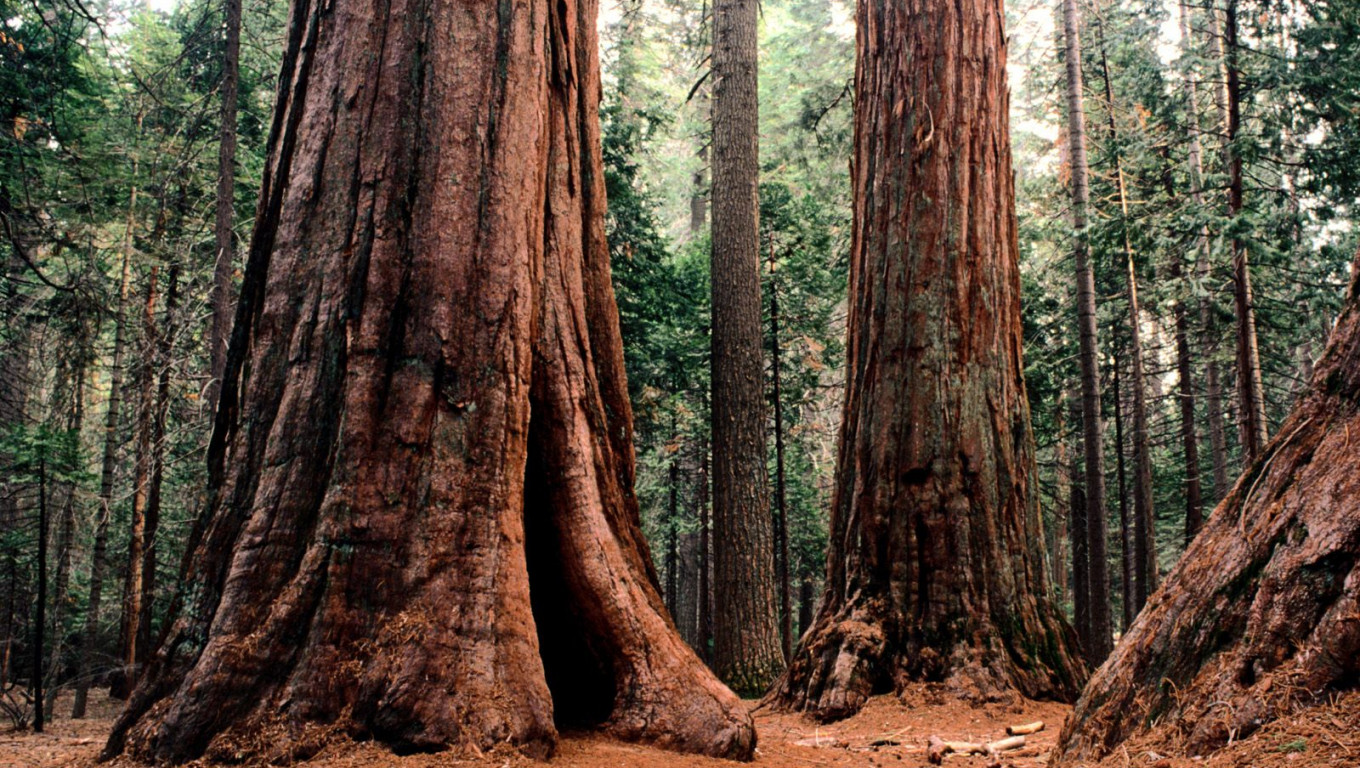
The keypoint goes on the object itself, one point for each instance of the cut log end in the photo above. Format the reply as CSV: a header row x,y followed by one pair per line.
x,y
1026,728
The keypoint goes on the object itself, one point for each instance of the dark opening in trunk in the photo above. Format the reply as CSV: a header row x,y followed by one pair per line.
x,y
579,675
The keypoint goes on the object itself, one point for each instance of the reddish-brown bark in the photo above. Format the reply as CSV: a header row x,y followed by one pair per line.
x,y
936,563
423,528
1260,614
131,633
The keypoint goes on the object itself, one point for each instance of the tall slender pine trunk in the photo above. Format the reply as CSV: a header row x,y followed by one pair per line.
x,y
1101,637
1144,520
99,553
224,236
781,512
746,611
1061,506
1185,368
129,623
1251,397
1128,575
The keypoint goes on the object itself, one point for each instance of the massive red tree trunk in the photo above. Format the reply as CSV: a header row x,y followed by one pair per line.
x,y
1260,614
936,567
423,528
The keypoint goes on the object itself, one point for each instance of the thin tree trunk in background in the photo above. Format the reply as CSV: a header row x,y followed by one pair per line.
x,y
746,617
1213,374
1062,499
1145,532
806,597
67,527
1128,571
15,383
705,596
224,236
781,514
1213,403
12,577
1081,540
698,196
1251,398
153,498
1185,397
98,554
935,559
1101,636
673,529
1305,377
137,536
1185,368
40,602
1144,520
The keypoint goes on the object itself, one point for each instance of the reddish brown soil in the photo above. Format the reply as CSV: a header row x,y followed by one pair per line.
x,y
1326,736
888,732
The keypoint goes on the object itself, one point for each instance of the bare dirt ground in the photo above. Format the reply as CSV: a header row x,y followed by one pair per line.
x,y
890,731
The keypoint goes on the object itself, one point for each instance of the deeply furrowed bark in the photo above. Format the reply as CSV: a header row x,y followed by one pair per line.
x,y
936,567
1260,614
423,529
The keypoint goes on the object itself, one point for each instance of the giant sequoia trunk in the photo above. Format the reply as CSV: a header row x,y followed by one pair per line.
x,y
1260,614
423,529
936,567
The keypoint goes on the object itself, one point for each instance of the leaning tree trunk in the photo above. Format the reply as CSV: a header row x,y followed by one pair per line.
x,y
936,562
1260,614
423,529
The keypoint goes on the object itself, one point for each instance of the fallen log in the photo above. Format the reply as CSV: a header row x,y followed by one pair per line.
x,y
1021,730
937,748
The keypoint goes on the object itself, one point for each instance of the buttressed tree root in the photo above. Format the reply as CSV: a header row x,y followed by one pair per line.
x,y
1262,614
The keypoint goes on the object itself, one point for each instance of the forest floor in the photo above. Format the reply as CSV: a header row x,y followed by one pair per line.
x,y
888,732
